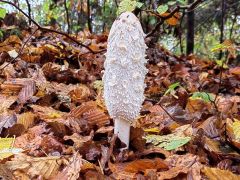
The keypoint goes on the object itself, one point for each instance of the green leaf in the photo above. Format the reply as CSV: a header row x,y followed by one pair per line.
x,y
171,141
1,33
127,5
162,9
182,1
217,47
170,3
168,142
3,12
139,4
221,63
172,88
207,97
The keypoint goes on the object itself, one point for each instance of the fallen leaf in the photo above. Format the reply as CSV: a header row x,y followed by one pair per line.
x,y
170,141
46,167
72,170
218,174
136,166
7,120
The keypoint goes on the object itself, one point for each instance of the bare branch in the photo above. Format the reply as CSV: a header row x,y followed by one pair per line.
x,y
51,30
20,51
189,7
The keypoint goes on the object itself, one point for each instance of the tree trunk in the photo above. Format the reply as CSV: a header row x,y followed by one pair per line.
x,y
222,27
29,12
89,17
190,30
67,16
104,24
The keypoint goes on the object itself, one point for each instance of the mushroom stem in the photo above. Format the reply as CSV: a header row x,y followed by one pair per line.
x,y
122,129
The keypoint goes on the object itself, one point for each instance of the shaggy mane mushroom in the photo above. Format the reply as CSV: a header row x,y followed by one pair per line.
x,y
125,73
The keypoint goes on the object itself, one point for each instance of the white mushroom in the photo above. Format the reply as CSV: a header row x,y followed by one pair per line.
x,y
125,73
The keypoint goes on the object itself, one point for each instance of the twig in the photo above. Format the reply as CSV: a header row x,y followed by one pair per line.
x,y
160,22
189,7
220,82
51,30
20,51
166,111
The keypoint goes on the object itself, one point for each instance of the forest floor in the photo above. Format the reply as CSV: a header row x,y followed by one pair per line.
x,y
54,124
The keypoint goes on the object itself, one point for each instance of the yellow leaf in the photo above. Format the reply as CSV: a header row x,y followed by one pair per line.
x,y
6,143
54,115
6,148
152,130
233,131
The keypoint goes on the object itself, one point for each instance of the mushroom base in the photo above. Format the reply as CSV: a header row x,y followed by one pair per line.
x,y
122,129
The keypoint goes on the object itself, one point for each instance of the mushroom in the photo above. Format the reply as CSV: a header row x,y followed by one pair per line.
x,y
125,73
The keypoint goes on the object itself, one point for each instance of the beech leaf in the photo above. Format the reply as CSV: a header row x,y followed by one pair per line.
x,y
162,9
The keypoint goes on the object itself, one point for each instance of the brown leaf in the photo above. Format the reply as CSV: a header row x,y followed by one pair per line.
x,y
72,170
90,112
195,105
7,120
235,70
172,173
5,174
209,126
216,151
140,165
25,88
182,160
26,119
218,174
78,139
79,94
46,167
155,150
105,130
48,114
107,152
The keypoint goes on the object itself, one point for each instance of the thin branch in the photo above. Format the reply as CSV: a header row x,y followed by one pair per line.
x,y
220,82
189,7
51,30
166,111
160,22
158,103
20,51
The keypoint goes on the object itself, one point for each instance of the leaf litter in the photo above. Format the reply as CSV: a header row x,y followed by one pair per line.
x,y
54,124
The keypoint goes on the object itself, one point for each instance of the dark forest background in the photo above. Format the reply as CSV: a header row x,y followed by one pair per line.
x,y
197,29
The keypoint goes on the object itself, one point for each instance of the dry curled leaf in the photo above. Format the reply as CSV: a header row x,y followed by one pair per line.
x,y
46,167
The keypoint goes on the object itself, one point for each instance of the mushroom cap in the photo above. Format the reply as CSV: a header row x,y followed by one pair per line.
x,y
125,68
